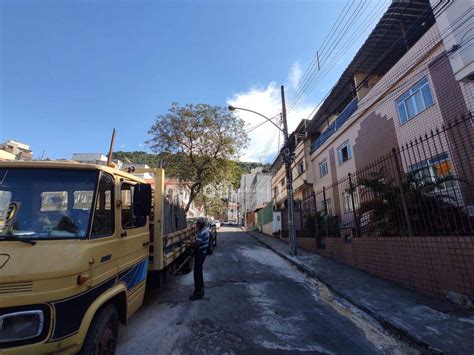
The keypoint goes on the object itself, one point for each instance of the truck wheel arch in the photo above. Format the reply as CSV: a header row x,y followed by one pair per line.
x,y
116,295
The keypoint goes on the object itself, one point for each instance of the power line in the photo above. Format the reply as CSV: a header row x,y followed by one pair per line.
x,y
410,30
315,77
260,124
314,61
325,56
399,89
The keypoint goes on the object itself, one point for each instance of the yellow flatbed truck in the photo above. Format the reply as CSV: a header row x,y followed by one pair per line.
x,y
77,242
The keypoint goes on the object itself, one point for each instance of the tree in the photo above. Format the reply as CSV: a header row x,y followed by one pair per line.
x,y
202,140
213,205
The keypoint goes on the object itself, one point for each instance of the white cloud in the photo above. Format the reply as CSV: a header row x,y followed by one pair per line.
x,y
295,75
264,141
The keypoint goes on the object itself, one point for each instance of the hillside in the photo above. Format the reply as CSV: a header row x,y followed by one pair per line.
x,y
153,160
157,160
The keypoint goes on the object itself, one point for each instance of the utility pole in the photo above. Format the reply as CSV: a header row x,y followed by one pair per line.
x,y
289,177
111,149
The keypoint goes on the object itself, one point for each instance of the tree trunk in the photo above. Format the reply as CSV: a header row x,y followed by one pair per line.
x,y
194,191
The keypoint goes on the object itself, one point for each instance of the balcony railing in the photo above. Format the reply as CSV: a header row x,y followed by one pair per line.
x,y
340,120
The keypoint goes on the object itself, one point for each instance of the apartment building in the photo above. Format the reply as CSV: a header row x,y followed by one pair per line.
x,y
14,150
399,87
253,194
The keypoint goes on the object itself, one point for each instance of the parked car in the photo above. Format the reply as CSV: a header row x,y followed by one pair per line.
x,y
213,237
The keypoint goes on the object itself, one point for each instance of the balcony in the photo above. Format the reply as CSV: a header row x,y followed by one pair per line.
x,y
336,125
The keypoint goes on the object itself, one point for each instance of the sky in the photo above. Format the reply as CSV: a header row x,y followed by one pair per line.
x,y
72,70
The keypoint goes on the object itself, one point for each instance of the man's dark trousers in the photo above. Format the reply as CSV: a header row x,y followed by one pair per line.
x,y
199,258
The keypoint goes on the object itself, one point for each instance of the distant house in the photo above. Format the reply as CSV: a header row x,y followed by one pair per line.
x,y
14,150
94,158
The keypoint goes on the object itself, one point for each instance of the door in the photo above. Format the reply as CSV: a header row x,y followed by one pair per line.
x,y
134,247
104,243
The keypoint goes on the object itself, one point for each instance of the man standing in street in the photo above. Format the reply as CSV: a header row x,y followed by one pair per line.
x,y
200,248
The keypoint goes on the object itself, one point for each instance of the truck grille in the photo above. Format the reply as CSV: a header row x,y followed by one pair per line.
x,y
16,287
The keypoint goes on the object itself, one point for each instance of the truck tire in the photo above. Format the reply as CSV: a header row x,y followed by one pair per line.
x,y
102,335
188,266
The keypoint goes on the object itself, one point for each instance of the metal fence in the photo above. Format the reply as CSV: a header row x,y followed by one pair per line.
x,y
425,187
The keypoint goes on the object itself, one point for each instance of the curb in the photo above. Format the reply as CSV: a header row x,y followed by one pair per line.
x,y
387,324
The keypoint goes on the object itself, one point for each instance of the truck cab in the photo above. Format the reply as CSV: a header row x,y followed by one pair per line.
x,y
74,255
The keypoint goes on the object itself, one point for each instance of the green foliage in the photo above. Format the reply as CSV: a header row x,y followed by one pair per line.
x,y
430,208
202,141
213,205
327,226
170,162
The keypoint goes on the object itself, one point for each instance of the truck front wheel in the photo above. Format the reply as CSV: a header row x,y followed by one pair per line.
x,y
101,338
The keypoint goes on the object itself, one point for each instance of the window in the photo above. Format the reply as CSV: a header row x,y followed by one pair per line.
x,y
129,220
39,203
344,152
83,200
127,216
328,206
432,170
282,182
300,167
104,224
53,201
347,202
275,192
414,101
323,168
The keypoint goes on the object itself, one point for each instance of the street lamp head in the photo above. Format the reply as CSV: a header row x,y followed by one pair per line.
x,y
231,108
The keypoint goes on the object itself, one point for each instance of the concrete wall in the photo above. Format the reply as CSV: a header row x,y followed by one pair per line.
x,y
267,229
442,265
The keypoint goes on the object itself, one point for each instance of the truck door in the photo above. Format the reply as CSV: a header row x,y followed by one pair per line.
x,y
103,258
133,251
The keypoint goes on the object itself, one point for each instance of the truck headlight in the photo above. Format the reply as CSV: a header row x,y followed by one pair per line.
x,y
21,325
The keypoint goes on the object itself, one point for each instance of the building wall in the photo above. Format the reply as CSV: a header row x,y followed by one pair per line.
x,y
467,89
375,127
276,182
263,189
4,155
454,20
442,265
267,228
299,179
369,146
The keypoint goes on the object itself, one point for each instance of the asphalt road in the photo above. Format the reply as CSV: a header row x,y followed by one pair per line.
x,y
256,303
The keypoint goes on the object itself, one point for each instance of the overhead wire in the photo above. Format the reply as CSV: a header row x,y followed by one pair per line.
x,y
314,61
341,49
378,62
322,56
408,83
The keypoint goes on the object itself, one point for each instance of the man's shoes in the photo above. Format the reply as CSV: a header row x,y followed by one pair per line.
x,y
196,296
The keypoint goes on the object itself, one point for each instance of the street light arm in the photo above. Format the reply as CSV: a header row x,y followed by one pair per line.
x,y
232,108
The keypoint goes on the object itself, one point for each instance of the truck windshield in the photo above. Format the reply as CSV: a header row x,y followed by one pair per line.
x,y
46,203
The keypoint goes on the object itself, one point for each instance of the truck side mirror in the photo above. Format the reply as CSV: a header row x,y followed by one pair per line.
x,y
142,200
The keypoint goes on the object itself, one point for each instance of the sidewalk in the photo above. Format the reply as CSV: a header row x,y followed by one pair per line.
x,y
439,326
